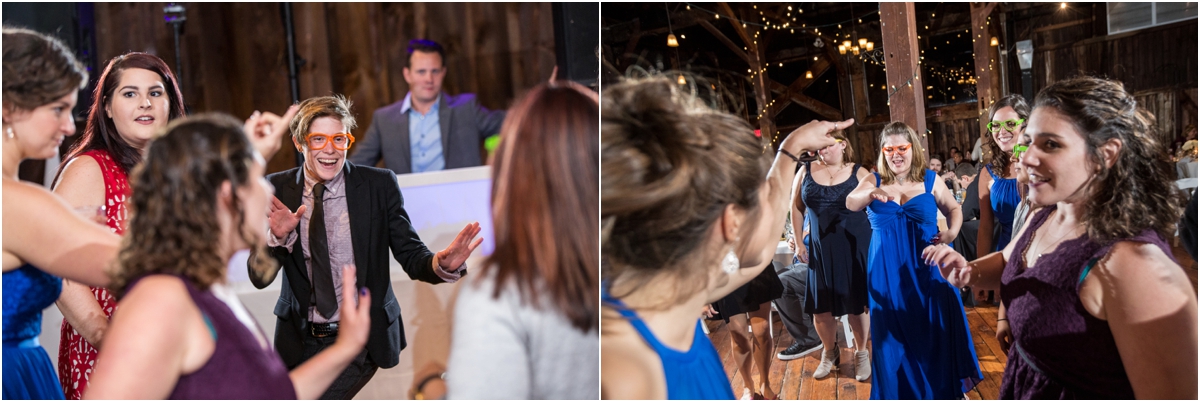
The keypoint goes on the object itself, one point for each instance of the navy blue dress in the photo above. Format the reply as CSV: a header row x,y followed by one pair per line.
x,y
1005,199
837,253
28,373
921,345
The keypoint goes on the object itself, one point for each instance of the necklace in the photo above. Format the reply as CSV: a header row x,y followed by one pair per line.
x,y
1042,247
834,174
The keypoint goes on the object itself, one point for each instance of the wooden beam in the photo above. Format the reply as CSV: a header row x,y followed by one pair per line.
x,y
741,31
907,100
725,40
987,87
1062,25
818,107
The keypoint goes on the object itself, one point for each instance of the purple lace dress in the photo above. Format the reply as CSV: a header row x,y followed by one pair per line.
x,y
1060,350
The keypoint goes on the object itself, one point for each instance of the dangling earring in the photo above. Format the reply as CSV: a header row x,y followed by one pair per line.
x,y
730,263
8,132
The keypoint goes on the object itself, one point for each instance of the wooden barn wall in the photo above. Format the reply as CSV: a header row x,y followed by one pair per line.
x,y
235,55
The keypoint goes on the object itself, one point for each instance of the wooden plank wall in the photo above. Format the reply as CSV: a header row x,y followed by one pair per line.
x,y
235,54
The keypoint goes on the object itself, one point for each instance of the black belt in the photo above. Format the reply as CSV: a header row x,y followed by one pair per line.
x,y
323,330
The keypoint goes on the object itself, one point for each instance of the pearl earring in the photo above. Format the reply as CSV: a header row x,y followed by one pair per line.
x,y
9,133
730,264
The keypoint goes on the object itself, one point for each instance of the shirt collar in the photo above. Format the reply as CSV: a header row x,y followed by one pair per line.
x,y
406,105
334,186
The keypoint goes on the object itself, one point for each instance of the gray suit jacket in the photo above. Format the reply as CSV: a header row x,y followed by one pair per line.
x,y
465,124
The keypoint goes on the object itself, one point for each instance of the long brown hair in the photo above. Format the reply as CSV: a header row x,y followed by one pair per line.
x,y
916,170
38,69
101,132
670,166
544,202
173,227
1137,192
1000,159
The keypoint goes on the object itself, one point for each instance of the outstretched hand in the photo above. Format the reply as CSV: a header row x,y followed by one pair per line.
x,y
461,248
882,196
355,325
813,136
281,219
950,263
266,130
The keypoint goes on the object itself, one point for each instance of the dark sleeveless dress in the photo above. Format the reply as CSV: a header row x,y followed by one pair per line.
x,y
839,241
1060,351
239,368
28,373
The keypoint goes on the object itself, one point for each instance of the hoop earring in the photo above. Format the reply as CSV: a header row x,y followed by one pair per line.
x,y
730,263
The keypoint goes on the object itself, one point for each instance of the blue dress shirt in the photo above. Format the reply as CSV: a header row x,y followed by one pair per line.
x,y
424,137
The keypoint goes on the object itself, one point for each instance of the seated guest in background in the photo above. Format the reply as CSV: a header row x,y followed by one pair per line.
x,y
330,213
952,163
1096,303
181,332
428,130
44,240
134,99
935,164
526,326
676,236
962,167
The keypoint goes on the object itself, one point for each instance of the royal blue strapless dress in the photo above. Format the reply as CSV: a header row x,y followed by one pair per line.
x,y
921,345
693,374
1005,199
28,373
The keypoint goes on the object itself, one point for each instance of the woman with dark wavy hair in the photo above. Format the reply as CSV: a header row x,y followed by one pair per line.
x,y
198,197
998,190
43,238
134,99
528,321
1097,305
688,198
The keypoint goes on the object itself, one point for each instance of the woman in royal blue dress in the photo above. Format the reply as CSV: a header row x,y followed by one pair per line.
x,y
998,194
921,345
688,198
44,240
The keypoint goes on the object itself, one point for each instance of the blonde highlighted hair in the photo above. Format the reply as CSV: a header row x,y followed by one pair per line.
x,y
916,171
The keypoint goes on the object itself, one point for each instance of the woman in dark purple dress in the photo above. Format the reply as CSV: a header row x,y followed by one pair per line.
x,y
1097,305
181,333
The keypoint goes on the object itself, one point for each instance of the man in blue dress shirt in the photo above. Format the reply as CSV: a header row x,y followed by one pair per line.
x,y
428,130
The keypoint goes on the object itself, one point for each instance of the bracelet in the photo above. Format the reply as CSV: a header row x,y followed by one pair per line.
x,y
1001,319
789,154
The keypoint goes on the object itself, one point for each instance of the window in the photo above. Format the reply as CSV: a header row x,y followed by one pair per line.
x,y
1127,16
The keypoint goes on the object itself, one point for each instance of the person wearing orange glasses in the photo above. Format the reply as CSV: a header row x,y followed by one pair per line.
x,y
921,344
320,211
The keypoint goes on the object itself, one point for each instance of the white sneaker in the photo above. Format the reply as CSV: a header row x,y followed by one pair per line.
x,y
829,359
862,365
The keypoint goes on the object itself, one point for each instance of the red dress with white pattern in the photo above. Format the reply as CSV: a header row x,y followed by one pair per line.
x,y
76,356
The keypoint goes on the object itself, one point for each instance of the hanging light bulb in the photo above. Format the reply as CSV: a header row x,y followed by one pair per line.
x,y
870,46
841,49
847,44
682,81
855,50
808,74
671,41
862,42
1063,5
995,42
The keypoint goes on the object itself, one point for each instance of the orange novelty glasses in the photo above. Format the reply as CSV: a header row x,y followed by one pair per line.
x,y
902,149
340,141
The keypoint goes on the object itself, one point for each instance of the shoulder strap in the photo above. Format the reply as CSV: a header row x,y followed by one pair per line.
x,y
929,176
876,178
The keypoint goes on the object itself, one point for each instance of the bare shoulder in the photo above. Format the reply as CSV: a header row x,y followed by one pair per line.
x,y
81,182
159,294
630,369
1136,281
1132,262
862,173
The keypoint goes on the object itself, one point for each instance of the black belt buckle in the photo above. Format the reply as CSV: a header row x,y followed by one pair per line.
x,y
323,330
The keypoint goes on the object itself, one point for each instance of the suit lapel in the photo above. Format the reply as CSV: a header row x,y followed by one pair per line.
x,y
444,120
405,143
358,206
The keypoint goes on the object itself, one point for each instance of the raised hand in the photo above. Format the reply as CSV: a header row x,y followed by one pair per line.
x,y
266,130
813,136
882,196
457,252
282,220
950,263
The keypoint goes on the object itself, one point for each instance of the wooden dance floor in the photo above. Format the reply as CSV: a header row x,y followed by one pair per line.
x,y
793,379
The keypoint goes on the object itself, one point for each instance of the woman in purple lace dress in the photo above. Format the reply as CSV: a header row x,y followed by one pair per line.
x,y
1097,305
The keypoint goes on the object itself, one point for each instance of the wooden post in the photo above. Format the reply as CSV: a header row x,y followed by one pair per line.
x,y
762,86
986,86
907,95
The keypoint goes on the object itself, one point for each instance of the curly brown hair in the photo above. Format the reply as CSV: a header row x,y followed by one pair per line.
x,y
1137,192
173,228
669,167
1000,159
38,69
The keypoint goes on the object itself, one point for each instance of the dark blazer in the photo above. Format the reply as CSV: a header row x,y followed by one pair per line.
x,y
378,223
464,123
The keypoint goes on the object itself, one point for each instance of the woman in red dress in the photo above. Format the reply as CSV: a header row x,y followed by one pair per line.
x,y
134,99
